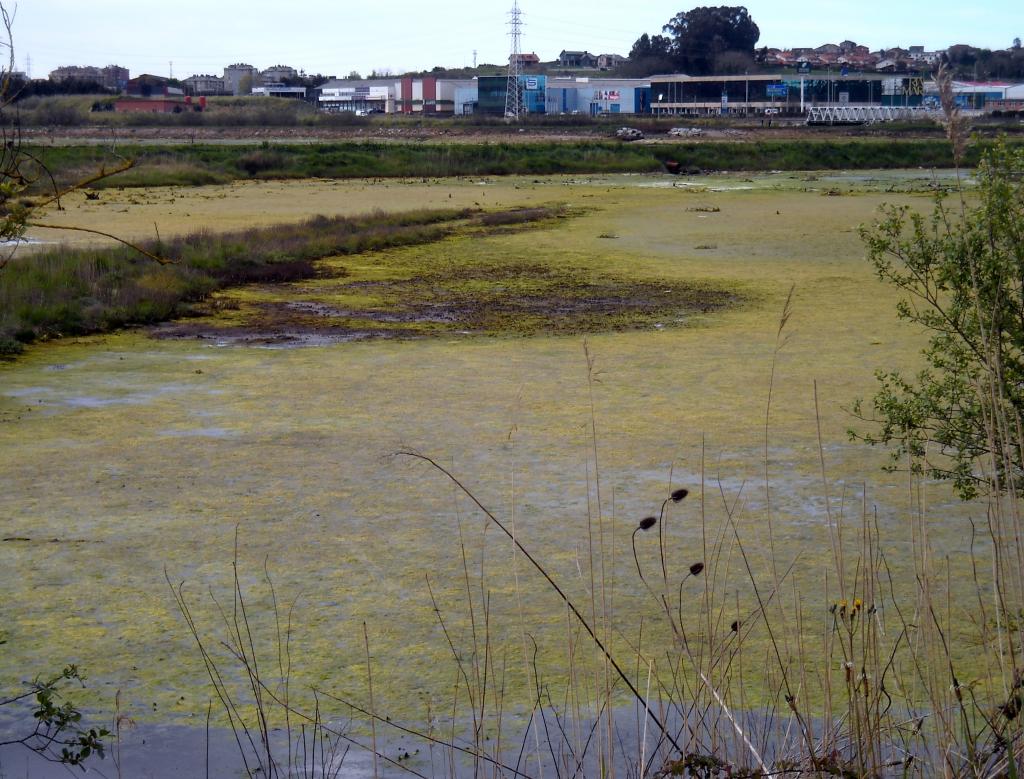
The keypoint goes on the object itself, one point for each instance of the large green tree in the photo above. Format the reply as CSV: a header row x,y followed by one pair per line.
x,y
650,54
698,42
702,35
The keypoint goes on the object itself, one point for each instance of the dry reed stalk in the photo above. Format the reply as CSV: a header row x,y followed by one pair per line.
x,y
957,128
369,684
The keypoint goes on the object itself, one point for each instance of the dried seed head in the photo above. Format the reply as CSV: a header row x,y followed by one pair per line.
x,y
679,494
648,522
696,568
1011,708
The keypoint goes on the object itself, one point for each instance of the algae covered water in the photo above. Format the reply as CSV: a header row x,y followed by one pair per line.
x,y
131,461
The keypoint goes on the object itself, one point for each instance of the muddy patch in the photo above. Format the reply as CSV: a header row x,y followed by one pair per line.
x,y
492,299
268,337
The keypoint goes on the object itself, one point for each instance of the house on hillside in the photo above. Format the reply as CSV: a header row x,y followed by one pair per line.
x,y
528,60
577,59
610,61
918,55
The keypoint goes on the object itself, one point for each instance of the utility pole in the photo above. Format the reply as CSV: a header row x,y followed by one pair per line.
x,y
513,96
474,59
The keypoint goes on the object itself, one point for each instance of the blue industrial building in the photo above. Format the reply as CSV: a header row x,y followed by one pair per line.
x,y
598,96
493,93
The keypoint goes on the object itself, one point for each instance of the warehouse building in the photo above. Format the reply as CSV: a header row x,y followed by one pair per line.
x,y
981,95
456,97
492,92
761,93
597,96
359,96
408,95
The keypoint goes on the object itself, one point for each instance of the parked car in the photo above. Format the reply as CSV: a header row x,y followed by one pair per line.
x,y
685,132
629,134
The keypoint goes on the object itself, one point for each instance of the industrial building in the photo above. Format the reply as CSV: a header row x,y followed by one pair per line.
x,y
492,94
456,96
744,94
357,95
1012,100
280,90
568,95
408,95
980,96
674,94
152,94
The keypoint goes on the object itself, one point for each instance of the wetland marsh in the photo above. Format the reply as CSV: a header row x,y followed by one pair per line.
x,y
128,454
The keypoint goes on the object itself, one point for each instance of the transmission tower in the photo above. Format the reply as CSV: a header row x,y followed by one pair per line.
x,y
513,94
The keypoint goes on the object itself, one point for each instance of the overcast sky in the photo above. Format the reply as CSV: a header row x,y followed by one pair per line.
x,y
334,38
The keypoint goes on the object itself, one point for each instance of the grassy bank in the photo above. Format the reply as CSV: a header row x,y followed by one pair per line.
x,y
207,163
67,291
416,292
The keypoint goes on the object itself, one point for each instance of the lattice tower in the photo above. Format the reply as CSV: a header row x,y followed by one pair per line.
x,y
513,94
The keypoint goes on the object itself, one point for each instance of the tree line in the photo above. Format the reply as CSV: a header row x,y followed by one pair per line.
x,y
722,39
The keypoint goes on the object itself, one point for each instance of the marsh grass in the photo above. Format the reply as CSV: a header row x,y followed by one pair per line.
x,y
65,291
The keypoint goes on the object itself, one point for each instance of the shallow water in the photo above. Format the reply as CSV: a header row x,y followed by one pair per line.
x,y
126,456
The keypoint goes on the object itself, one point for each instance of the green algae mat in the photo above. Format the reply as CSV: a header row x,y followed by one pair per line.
x,y
136,458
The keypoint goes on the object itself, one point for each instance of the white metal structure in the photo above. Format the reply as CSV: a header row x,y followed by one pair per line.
x,y
865,114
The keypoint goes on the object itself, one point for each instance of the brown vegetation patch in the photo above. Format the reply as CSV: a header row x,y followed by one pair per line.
x,y
504,299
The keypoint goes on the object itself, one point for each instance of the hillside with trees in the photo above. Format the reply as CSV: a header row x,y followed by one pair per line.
x,y
704,40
